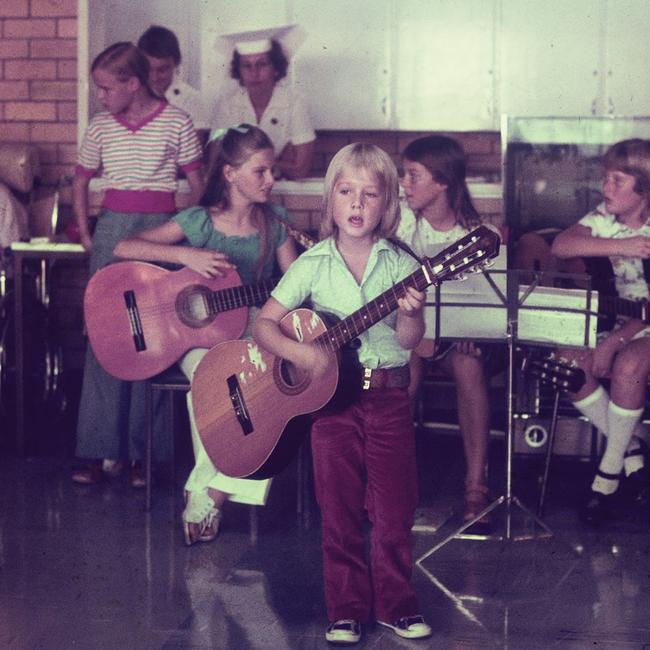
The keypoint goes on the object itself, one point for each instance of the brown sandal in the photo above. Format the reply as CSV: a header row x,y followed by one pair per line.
x,y
477,499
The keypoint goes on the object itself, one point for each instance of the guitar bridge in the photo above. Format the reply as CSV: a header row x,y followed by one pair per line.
x,y
239,405
134,321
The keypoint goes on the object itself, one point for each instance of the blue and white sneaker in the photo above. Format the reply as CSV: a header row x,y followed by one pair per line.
x,y
409,627
345,631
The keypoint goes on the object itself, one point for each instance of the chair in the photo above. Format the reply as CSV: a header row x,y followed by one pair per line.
x,y
174,380
170,381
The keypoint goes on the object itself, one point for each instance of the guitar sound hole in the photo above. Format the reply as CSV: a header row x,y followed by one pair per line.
x,y
291,375
193,306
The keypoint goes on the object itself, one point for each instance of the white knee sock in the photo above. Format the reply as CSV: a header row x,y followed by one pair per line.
x,y
595,408
621,423
633,460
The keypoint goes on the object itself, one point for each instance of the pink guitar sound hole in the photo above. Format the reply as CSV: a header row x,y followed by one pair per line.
x,y
193,306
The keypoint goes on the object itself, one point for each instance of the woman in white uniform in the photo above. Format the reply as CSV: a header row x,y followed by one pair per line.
x,y
264,98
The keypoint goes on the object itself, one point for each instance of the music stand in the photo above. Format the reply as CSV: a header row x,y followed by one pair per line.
x,y
518,304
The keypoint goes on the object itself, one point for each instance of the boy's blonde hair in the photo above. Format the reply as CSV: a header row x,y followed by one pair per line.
x,y
361,155
631,157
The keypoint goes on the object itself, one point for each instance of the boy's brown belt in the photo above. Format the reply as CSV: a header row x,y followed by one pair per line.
x,y
386,378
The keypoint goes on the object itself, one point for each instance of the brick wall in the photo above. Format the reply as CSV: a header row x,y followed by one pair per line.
x,y
482,148
38,105
38,86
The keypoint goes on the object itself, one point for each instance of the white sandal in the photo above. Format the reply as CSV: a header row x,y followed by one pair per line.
x,y
201,518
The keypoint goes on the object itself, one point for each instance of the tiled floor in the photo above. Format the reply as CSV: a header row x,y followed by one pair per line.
x,y
88,568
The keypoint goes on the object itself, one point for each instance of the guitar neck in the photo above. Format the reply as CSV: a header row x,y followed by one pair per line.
x,y
349,328
467,254
246,295
622,307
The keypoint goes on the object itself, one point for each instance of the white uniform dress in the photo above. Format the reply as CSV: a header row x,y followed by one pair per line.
x,y
285,120
188,99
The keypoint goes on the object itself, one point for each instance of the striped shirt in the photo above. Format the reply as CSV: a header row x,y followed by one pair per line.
x,y
140,157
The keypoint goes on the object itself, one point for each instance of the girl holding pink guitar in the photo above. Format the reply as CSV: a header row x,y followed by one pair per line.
x,y
233,226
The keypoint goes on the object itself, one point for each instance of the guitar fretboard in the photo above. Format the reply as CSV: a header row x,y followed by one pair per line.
x,y
242,296
622,307
349,328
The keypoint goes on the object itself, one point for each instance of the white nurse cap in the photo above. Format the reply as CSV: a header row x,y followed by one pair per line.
x,y
260,46
258,41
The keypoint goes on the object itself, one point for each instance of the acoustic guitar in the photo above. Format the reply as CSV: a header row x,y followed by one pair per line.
x,y
244,397
141,318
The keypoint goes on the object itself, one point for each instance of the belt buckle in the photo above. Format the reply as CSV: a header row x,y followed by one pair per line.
x,y
367,374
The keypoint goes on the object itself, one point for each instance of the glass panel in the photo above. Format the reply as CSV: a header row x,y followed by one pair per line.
x,y
552,166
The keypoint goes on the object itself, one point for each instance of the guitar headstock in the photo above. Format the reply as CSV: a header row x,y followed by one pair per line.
x,y
301,237
556,371
470,254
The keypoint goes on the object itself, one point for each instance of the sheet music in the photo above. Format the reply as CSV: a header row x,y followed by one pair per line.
x,y
558,316
475,310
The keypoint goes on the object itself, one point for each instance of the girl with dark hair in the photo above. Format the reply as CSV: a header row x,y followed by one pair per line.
x,y
619,228
233,226
439,211
136,147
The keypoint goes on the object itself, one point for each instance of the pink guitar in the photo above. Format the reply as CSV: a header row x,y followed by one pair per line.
x,y
141,318
244,396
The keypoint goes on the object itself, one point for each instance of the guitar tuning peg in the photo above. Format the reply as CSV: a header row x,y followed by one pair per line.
x,y
460,277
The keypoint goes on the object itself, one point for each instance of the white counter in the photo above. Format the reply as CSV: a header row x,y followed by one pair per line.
x,y
304,196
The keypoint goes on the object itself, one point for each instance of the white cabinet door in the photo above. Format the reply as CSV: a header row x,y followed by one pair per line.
x,y
550,57
342,67
443,64
627,47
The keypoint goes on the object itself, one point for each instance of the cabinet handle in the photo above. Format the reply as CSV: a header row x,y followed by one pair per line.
x,y
611,106
593,107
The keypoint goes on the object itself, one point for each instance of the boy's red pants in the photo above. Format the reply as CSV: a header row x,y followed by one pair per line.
x,y
364,459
